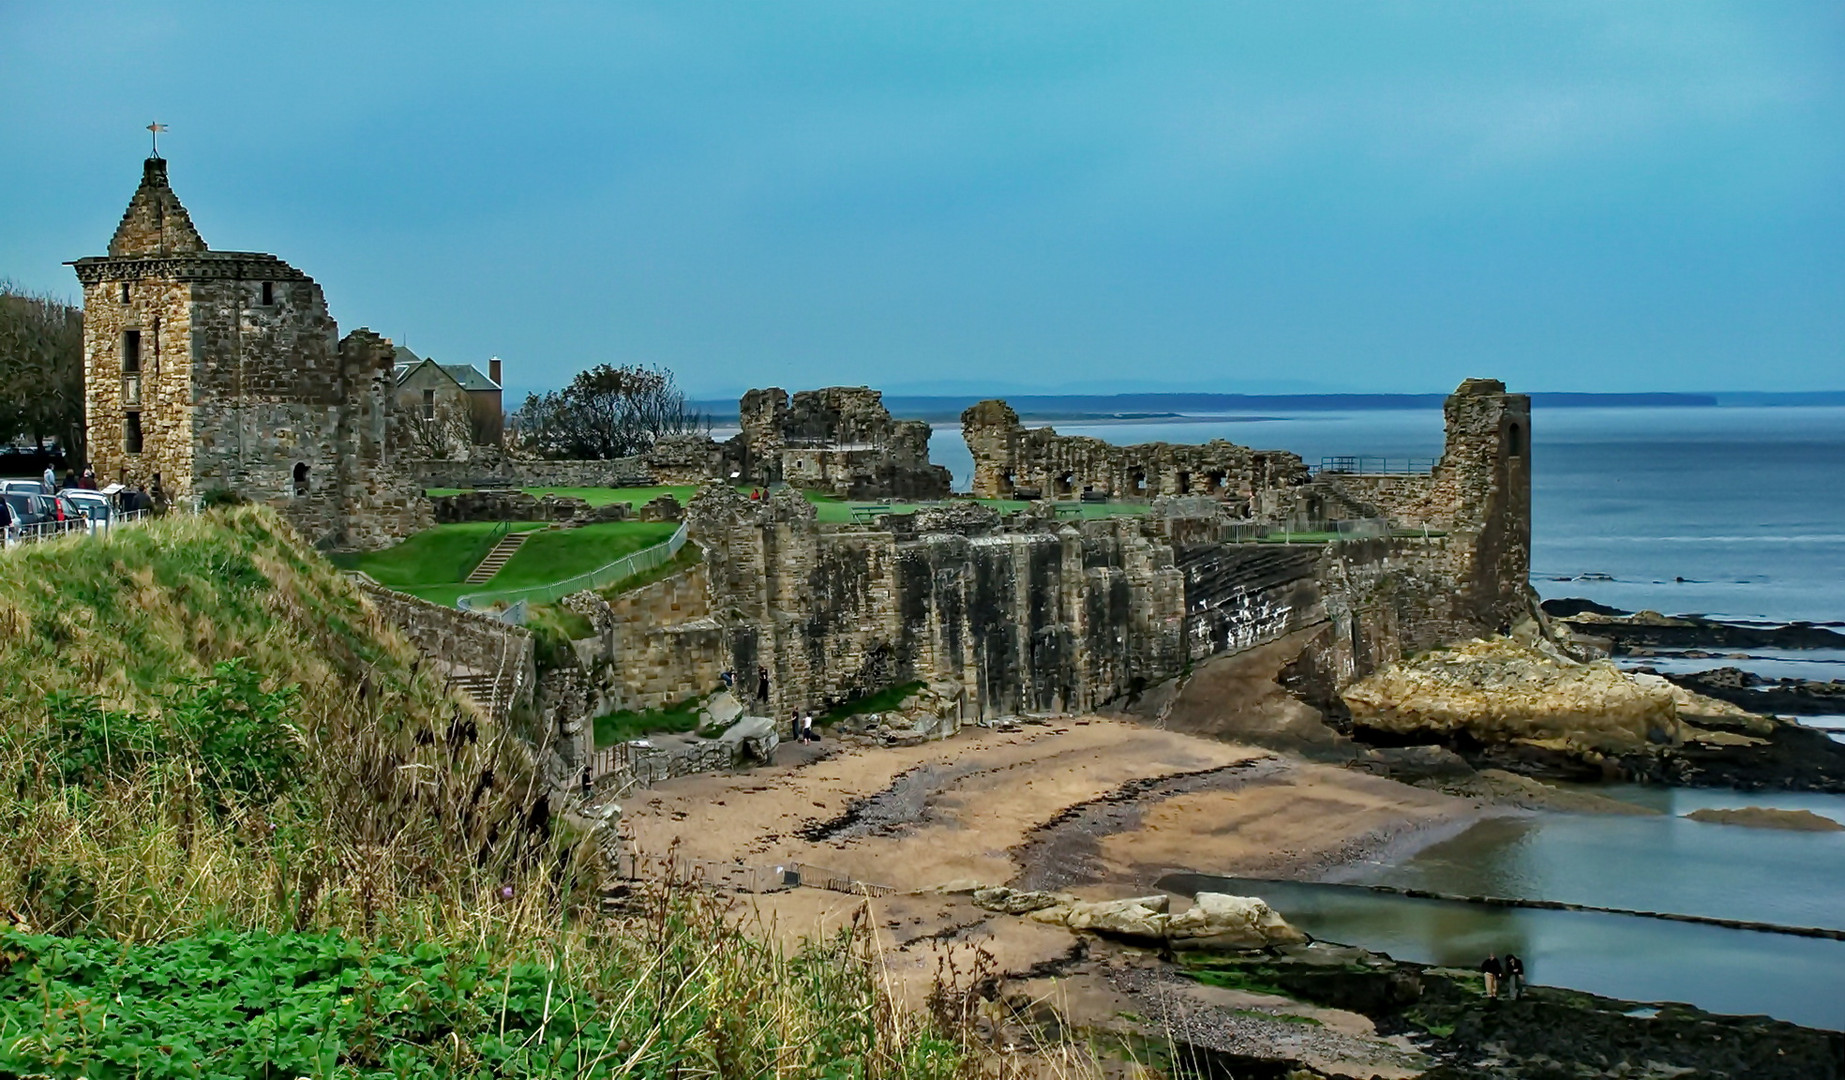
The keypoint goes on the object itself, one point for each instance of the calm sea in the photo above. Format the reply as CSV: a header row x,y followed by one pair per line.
x,y
1747,506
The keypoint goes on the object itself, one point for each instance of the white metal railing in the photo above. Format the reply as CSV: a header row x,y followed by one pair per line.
x,y
627,566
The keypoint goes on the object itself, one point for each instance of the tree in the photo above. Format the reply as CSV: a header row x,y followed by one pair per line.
x,y
607,412
444,431
41,370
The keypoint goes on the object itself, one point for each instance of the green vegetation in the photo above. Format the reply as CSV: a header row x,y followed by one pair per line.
x,y
683,559
553,628
434,564
430,563
624,724
556,554
243,834
880,701
681,994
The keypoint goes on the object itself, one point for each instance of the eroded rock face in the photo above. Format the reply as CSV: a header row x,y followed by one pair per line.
x,y
1221,921
1214,921
1498,690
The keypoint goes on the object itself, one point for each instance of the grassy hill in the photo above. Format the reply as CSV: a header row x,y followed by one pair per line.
x,y
244,832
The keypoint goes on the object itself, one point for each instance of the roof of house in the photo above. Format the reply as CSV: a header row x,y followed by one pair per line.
x,y
466,376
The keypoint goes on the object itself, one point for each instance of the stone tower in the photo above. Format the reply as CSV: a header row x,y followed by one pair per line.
x,y
1484,477
223,370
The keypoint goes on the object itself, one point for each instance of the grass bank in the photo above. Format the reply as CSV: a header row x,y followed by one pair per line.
x,y
435,563
246,832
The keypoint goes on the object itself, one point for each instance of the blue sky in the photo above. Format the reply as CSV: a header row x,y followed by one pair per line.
x,y
1056,195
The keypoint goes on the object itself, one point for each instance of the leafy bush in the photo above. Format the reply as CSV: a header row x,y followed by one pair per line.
x,y
216,497
236,734
675,990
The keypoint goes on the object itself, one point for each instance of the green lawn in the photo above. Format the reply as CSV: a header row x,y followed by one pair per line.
x,y
443,555
434,563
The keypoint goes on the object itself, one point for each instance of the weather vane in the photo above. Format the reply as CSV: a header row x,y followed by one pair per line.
x,y
156,127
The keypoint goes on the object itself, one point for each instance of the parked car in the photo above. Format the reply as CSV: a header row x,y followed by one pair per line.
x,y
30,507
33,487
95,508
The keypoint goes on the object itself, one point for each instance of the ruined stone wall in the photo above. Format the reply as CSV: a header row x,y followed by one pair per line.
x,y
1013,461
503,504
656,645
462,642
840,439
490,468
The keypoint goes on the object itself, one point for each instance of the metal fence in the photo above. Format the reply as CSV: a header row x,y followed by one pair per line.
x,y
37,531
507,601
1372,466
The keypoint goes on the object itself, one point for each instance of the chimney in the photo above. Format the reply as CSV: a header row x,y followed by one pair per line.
x,y
493,370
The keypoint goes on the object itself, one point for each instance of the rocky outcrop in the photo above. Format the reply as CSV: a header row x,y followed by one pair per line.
x,y
1214,921
1760,817
1497,691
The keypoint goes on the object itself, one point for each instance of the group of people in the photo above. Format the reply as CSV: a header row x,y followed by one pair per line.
x,y
1507,975
801,725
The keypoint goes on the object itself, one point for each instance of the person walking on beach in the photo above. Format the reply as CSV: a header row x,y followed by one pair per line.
x,y
1514,976
1492,969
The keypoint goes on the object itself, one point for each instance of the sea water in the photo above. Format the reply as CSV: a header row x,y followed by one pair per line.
x,y
1733,512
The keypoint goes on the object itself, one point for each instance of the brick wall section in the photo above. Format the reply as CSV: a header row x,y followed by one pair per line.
x,y
492,468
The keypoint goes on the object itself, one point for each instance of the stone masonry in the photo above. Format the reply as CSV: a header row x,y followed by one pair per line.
x,y
223,370
1013,461
1033,613
840,439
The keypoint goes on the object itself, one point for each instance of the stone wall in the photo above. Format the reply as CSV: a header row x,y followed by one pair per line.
x,y
840,439
492,468
511,504
462,642
231,368
1013,461
656,645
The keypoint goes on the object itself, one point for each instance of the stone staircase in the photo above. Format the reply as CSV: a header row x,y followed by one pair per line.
x,y
497,558
492,694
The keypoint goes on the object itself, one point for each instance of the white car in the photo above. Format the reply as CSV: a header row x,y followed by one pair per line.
x,y
30,487
97,510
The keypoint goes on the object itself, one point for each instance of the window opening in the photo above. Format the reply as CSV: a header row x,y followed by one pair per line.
x,y
429,404
131,432
1185,482
268,293
124,292
301,478
131,352
1516,438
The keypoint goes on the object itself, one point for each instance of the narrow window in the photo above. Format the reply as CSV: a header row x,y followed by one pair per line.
x,y
124,292
429,404
301,478
1185,483
131,432
131,352
1515,439
268,293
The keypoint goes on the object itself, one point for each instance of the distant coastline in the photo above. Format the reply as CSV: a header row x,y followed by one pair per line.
x,y
1180,408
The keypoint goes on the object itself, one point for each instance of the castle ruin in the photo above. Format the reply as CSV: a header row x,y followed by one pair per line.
x,y
223,371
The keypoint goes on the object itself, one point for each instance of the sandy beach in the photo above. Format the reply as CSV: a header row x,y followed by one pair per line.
x,y
1099,807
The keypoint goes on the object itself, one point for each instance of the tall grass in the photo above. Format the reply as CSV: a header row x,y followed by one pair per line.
x,y
374,884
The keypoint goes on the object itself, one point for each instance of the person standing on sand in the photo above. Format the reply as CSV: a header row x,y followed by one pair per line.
x,y
1514,976
1492,969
